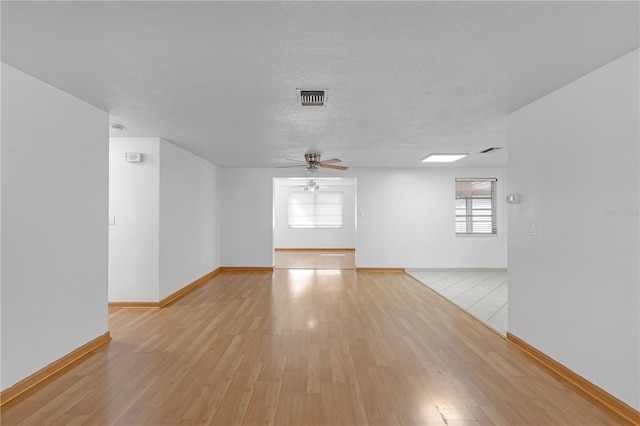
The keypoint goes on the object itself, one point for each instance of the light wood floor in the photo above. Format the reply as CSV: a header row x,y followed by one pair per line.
x,y
315,258
305,347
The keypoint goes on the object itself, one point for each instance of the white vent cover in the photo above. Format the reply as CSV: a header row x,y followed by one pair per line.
x,y
312,97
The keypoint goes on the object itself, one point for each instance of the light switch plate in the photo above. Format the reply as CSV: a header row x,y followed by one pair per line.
x,y
112,220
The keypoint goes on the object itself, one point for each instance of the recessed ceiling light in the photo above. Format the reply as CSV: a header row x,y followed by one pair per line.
x,y
442,158
116,126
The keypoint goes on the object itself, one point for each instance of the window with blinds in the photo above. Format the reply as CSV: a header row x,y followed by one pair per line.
x,y
476,206
315,209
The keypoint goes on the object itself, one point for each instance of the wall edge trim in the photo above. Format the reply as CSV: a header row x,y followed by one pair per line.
x,y
188,288
585,387
50,370
314,249
394,270
456,269
246,269
134,305
170,298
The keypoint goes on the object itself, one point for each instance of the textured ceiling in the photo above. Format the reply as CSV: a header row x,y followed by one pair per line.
x,y
404,79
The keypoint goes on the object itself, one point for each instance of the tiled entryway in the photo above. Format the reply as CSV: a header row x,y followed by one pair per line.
x,y
482,294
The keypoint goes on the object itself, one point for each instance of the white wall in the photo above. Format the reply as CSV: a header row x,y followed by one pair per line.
x,y
54,224
286,237
134,190
407,219
167,220
574,288
1,387
189,218
247,217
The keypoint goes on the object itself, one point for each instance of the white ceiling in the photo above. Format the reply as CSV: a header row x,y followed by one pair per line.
x,y
404,79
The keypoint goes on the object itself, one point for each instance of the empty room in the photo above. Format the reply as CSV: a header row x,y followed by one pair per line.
x,y
331,213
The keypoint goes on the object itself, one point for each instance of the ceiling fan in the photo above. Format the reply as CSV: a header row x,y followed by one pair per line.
x,y
311,186
312,163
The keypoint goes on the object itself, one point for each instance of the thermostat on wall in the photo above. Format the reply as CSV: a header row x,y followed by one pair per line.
x,y
513,198
132,157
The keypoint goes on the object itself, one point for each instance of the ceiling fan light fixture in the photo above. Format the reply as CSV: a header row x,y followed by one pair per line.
x,y
442,158
312,186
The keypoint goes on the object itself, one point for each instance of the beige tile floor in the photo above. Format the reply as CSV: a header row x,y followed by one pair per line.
x,y
482,294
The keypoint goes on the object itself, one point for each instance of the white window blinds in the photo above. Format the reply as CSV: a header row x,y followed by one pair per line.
x,y
315,209
476,206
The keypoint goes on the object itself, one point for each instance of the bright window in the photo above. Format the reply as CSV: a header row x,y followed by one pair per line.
x,y
315,209
476,206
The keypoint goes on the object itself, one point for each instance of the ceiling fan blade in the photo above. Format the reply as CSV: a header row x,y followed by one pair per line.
x,y
332,160
295,165
297,161
329,166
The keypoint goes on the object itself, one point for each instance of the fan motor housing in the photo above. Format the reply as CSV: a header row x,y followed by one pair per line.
x,y
312,158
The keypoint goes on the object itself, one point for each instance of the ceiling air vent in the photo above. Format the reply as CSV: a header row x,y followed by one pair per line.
x,y
312,97
488,150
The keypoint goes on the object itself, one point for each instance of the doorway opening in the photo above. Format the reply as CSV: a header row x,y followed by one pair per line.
x,y
314,223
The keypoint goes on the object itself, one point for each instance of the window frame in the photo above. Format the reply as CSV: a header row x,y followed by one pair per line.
x,y
469,207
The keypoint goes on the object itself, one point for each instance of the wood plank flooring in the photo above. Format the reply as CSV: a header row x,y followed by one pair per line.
x,y
297,347
315,258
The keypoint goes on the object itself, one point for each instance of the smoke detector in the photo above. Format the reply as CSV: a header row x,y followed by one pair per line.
x,y
316,97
